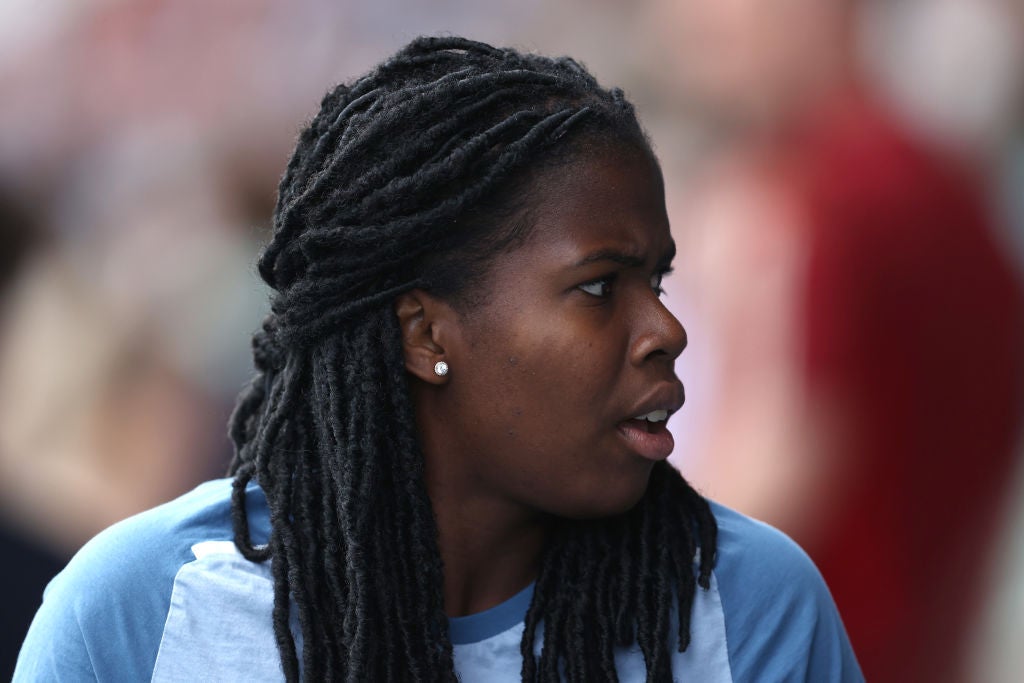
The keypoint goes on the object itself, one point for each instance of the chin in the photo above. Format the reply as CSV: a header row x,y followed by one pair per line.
x,y
612,499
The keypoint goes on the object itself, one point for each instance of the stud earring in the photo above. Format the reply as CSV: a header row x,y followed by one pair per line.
x,y
440,368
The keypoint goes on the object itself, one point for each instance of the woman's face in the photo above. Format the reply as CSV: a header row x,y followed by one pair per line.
x,y
570,343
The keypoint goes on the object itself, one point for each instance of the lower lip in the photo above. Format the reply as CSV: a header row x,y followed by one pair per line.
x,y
653,445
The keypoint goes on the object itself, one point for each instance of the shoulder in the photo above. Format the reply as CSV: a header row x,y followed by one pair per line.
x,y
749,550
780,619
103,616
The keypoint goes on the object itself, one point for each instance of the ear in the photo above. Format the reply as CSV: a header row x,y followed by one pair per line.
x,y
425,322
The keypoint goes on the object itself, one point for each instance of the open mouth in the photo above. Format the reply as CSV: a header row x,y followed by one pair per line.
x,y
648,435
652,422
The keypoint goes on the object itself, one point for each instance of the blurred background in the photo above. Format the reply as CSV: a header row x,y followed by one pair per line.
x,y
845,180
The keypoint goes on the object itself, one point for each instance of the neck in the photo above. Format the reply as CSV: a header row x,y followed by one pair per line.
x,y
490,545
490,549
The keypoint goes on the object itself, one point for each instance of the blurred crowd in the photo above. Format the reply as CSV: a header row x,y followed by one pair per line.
x,y
845,180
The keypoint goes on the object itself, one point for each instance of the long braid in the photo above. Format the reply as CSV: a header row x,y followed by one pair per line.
x,y
396,184
610,582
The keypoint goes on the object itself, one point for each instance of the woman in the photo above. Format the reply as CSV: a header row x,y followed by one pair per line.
x,y
453,455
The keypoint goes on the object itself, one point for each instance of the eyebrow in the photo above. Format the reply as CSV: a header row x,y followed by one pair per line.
x,y
627,259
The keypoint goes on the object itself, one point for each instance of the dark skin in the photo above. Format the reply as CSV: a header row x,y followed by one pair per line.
x,y
571,340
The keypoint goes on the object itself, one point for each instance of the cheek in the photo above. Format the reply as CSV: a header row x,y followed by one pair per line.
x,y
539,409
550,380
558,450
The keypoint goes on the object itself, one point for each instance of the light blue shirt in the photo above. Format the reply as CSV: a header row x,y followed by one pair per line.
x,y
166,596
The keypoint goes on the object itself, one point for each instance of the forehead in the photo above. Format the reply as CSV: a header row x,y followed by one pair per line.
x,y
612,199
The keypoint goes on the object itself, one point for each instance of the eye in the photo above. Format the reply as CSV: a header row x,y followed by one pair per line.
x,y
656,281
601,287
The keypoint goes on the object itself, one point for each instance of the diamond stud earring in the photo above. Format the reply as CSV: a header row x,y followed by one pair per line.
x,y
440,368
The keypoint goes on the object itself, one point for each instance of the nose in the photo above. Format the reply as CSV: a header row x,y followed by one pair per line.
x,y
659,334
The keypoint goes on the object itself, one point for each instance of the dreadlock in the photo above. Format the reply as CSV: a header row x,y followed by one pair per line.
x,y
405,179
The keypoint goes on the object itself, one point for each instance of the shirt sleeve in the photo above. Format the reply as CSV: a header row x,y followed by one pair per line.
x,y
55,647
102,616
780,620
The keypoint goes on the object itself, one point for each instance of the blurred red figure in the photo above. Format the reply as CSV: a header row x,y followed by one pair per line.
x,y
913,325
871,332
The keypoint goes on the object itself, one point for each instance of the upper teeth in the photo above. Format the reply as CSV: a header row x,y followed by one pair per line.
x,y
654,416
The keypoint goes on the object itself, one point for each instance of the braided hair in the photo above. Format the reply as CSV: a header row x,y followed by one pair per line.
x,y
410,177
